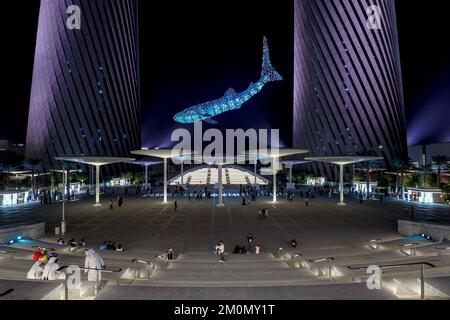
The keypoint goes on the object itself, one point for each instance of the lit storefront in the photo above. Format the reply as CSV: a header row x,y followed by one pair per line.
x,y
361,186
316,181
13,198
74,187
425,195
119,182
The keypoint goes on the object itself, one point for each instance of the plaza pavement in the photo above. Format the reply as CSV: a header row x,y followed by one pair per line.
x,y
145,224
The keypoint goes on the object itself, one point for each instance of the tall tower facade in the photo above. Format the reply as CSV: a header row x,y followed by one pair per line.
x,y
348,92
85,94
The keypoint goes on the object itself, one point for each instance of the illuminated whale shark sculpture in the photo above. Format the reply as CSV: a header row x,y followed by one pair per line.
x,y
231,100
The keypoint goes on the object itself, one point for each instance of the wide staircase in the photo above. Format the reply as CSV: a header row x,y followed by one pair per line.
x,y
316,274
205,269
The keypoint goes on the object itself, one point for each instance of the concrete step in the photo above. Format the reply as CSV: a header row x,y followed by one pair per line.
x,y
238,293
229,265
208,257
440,283
229,275
30,290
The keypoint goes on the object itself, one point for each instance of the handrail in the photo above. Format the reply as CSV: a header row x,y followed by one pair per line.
x,y
440,248
147,263
422,272
97,282
141,261
93,269
322,259
6,292
395,265
374,244
411,246
330,267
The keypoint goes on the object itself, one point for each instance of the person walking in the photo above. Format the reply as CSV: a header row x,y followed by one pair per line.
x,y
175,205
249,240
294,243
120,202
257,249
111,204
222,251
93,263
170,254
307,202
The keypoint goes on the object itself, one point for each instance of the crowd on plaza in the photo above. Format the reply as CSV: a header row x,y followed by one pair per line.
x,y
45,265
47,196
111,246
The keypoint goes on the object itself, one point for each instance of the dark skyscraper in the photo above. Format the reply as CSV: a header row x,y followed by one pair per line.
x,y
348,95
85,91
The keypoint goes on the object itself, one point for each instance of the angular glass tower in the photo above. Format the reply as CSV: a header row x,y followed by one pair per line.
x,y
348,92
85,93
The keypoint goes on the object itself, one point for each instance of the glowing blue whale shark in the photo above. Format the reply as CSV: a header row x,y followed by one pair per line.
x,y
231,100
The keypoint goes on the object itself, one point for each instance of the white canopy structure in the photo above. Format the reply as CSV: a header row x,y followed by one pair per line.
x,y
146,164
341,162
164,154
290,165
220,161
274,155
98,162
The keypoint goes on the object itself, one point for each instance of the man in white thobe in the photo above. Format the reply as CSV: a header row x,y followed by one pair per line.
x,y
51,270
93,261
36,271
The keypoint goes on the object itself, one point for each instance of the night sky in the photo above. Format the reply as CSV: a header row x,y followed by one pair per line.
x,y
192,52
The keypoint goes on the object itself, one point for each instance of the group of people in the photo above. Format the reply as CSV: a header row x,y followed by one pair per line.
x,y
119,203
72,243
263,213
243,250
111,246
45,265
246,250
199,195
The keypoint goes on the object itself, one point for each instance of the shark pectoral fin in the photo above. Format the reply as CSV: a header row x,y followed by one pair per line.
x,y
229,93
210,121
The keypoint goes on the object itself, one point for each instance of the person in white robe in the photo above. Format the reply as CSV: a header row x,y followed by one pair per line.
x,y
93,261
51,270
36,271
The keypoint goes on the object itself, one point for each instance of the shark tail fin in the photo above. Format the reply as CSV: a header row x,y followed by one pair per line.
x,y
268,71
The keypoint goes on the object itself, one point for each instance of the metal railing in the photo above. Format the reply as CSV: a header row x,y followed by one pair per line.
x,y
97,282
330,266
149,267
399,265
412,247
6,292
442,248
374,244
